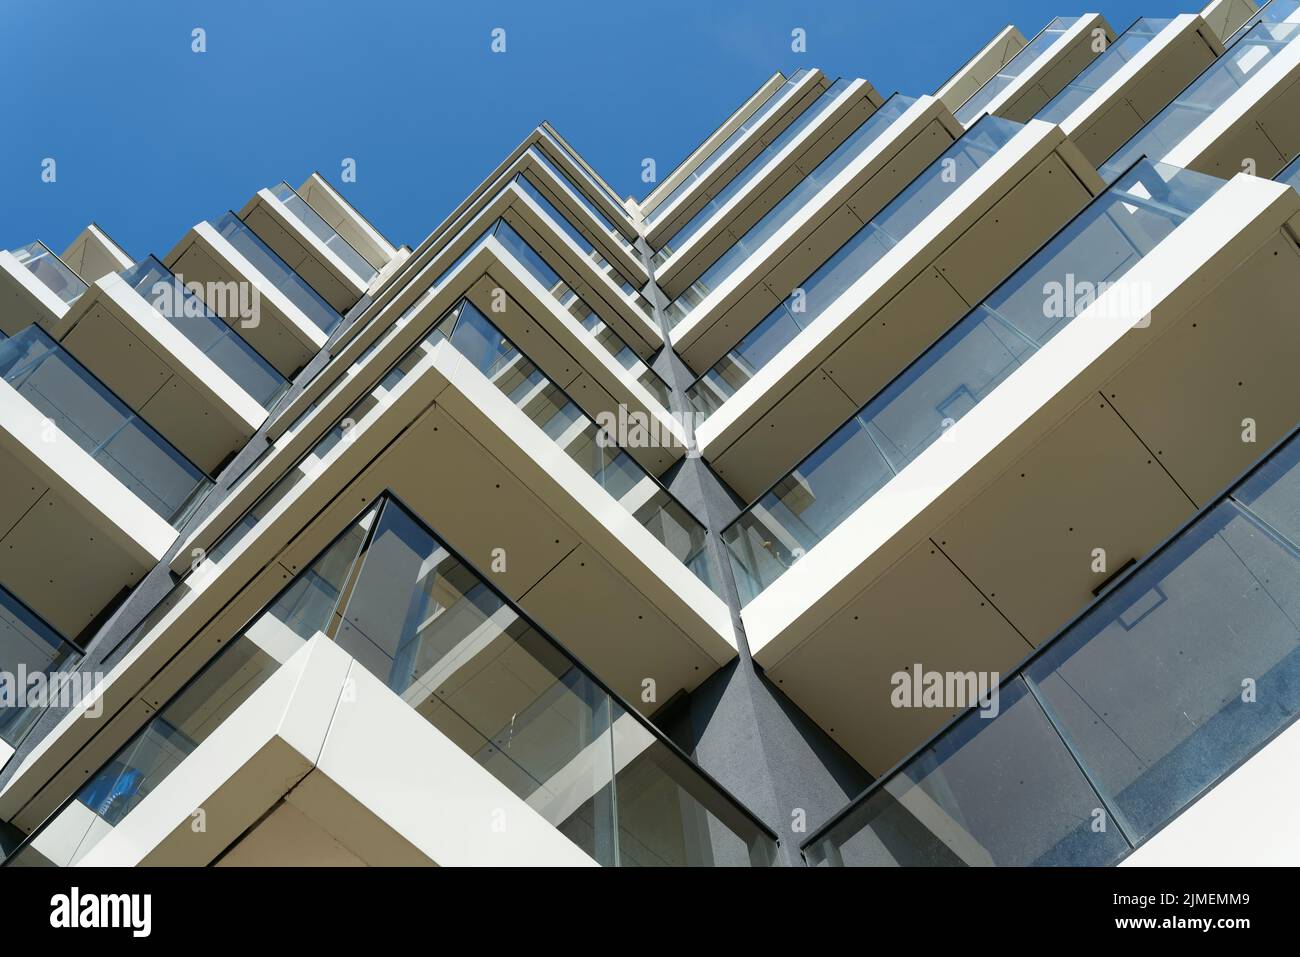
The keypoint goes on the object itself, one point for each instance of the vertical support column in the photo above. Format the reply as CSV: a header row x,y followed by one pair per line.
x,y
737,725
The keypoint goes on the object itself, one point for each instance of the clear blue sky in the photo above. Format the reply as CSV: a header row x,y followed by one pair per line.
x,y
150,137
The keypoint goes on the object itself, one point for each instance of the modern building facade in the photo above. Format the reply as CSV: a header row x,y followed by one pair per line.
x,y
904,480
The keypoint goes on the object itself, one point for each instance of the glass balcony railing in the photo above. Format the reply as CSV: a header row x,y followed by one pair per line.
x,y
392,595
302,609
208,333
493,354
323,231
968,362
1273,11
819,108
1291,175
83,409
706,165
560,290
487,348
561,223
581,198
979,101
438,635
850,262
28,647
565,297
799,197
1143,703
595,184
1100,71
1222,78
51,270
296,289
565,225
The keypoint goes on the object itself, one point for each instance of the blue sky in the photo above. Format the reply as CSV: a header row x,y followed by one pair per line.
x,y
150,137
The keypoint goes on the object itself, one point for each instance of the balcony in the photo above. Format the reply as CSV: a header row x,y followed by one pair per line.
x,y
592,448
456,696
1039,71
1271,11
574,212
605,335
92,489
1138,75
570,185
79,406
541,207
506,261
28,646
323,231
569,508
724,153
975,214
239,361
53,273
255,292
354,228
93,255
40,288
1243,107
977,71
815,217
1058,431
541,280
578,171
36,286
308,245
536,188
1162,657
156,346
726,214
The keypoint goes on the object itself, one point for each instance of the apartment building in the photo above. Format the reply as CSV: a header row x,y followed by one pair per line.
x,y
904,480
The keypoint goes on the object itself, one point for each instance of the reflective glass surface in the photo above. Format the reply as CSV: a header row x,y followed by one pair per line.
x,y
51,270
1273,11
304,608
1082,262
411,612
855,145
220,343
701,171
323,231
850,262
1222,78
28,646
979,101
1155,694
809,117
1097,73
278,273
440,637
102,425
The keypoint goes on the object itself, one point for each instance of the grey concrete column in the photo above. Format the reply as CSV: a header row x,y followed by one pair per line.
x,y
738,725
